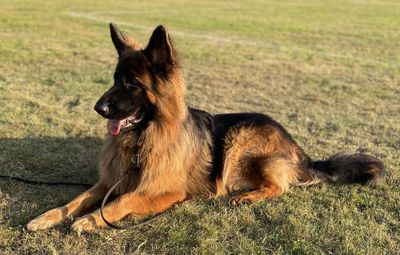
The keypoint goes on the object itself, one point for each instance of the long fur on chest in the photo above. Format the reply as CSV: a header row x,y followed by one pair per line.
x,y
174,157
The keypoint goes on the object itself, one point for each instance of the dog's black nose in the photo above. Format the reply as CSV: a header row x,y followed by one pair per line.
x,y
101,108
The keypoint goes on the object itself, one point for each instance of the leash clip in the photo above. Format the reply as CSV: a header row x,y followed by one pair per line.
x,y
137,161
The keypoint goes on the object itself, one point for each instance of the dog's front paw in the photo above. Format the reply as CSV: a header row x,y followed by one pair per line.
x,y
241,199
85,223
46,220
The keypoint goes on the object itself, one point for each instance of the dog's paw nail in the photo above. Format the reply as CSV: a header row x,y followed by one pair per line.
x,y
31,226
37,224
234,201
240,200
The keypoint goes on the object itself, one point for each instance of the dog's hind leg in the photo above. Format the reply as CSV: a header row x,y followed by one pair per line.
x,y
259,159
74,208
128,204
271,175
255,195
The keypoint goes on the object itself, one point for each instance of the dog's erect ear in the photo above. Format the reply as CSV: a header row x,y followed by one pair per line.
x,y
119,38
159,51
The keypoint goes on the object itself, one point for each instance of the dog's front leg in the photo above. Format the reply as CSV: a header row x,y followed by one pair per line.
x,y
74,208
128,204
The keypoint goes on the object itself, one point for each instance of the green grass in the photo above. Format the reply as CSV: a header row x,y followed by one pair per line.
x,y
329,71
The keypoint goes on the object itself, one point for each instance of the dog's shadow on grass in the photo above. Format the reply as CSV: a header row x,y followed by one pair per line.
x,y
48,159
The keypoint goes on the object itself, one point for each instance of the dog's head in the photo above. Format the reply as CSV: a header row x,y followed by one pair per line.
x,y
141,78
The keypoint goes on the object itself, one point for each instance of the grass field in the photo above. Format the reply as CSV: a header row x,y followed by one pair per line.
x,y
328,70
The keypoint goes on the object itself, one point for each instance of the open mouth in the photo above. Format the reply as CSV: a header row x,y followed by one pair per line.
x,y
116,126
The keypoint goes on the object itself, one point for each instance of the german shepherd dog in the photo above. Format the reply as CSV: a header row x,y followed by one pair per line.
x,y
185,152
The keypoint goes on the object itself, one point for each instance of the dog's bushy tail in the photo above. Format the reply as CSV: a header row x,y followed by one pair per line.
x,y
348,168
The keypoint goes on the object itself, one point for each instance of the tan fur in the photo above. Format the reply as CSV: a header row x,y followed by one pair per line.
x,y
256,157
128,204
133,44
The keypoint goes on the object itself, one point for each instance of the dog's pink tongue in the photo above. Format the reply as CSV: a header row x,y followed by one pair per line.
x,y
115,127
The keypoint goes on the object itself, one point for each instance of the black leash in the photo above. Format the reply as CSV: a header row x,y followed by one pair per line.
x,y
122,227
19,179
136,168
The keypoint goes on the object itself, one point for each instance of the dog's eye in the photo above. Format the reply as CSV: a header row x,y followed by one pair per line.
x,y
134,86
